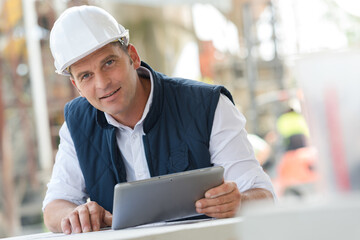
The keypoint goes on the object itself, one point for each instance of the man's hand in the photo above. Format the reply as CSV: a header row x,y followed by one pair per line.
x,y
225,200
86,218
220,202
63,216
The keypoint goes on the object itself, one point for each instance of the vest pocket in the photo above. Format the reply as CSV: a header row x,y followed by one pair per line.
x,y
178,159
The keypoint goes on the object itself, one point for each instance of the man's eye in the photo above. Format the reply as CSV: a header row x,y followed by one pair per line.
x,y
109,62
85,76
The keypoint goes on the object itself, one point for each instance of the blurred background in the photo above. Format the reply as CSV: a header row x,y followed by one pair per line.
x,y
249,46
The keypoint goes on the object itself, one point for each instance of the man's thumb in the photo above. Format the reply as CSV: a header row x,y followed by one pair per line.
x,y
107,218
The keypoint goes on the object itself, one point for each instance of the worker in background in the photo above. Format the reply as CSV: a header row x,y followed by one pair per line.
x,y
292,127
131,123
296,169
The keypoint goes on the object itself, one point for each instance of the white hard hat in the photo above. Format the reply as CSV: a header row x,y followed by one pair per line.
x,y
80,31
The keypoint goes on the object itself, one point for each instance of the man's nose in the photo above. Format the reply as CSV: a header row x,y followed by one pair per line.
x,y
102,81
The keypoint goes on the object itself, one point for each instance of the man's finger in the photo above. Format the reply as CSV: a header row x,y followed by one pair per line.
x,y
75,222
223,189
65,225
84,217
227,209
107,219
222,214
208,202
95,212
225,197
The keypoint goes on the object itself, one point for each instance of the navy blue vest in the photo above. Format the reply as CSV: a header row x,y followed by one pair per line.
x,y
177,133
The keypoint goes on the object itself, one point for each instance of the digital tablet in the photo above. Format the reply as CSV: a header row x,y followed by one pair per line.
x,y
162,198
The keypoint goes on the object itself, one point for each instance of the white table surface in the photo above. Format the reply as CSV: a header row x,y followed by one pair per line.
x,y
224,229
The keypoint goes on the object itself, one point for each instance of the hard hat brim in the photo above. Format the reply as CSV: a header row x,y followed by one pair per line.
x,y
124,37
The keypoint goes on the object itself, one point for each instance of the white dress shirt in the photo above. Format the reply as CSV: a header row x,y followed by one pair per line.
x,y
229,147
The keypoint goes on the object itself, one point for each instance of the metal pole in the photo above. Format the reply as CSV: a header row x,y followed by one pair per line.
x,y
251,66
9,217
37,85
277,62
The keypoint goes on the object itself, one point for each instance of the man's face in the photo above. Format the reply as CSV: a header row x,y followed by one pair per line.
x,y
107,78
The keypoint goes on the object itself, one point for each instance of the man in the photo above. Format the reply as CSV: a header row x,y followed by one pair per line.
x,y
131,122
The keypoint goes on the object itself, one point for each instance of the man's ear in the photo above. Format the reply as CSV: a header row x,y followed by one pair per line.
x,y
134,56
74,84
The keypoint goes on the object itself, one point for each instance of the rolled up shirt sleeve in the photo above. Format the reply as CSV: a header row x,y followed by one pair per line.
x,y
67,181
230,148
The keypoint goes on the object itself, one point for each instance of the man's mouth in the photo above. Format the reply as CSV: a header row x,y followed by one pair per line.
x,y
109,95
